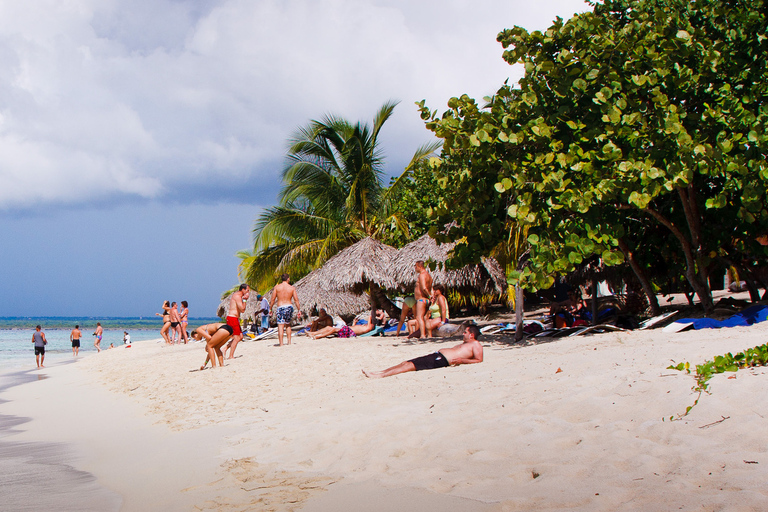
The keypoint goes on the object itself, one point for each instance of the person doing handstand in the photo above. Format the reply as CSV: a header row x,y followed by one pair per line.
x,y
469,352
215,335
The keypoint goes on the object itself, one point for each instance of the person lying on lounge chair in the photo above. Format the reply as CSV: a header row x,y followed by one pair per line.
x,y
343,330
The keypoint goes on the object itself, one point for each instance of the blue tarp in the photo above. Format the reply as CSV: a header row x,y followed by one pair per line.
x,y
751,315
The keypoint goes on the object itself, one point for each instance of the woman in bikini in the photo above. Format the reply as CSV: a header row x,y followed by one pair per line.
x,y
436,315
215,335
184,315
166,314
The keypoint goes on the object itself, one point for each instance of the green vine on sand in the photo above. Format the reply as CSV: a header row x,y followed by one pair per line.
x,y
757,356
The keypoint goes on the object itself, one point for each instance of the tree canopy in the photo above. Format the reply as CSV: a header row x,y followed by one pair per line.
x,y
333,195
638,115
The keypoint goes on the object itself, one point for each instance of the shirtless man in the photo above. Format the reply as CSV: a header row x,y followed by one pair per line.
x,y
236,308
74,337
284,293
215,335
175,323
469,352
422,292
98,333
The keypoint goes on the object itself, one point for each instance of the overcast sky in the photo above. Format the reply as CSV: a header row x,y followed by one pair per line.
x,y
140,139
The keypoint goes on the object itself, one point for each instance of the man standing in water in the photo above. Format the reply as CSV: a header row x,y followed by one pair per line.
x,y
284,293
38,338
99,332
236,308
74,337
422,292
469,352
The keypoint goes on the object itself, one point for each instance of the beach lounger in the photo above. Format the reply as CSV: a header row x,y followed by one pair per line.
x,y
647,324
271,333
377,331
596,328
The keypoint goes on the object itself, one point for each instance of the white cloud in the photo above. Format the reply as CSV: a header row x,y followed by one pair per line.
x,y
102,98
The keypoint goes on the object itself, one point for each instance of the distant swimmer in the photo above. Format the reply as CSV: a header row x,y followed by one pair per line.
x,y
284,294
236,308
74,337
215,335
469,352
422,292
38,338
99,333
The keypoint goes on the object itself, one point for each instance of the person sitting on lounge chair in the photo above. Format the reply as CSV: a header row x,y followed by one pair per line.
x,y
323,320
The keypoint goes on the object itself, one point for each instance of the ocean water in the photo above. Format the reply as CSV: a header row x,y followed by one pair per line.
x,y
17,350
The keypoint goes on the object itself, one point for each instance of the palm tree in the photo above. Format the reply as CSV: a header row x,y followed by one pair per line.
x,y
332,196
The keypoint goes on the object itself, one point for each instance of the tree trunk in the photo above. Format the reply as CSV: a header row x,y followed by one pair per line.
x,y
644,282
691,273
519,309
379,300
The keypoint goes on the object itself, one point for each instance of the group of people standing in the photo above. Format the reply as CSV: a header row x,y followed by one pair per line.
x,y
428,306
175,320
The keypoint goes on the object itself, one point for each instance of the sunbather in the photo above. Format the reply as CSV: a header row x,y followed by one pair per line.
x,y
470,351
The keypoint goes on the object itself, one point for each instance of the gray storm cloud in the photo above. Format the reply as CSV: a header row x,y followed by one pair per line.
x,y
120,98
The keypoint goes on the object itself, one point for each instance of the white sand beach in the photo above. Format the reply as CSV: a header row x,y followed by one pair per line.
x,y
300,428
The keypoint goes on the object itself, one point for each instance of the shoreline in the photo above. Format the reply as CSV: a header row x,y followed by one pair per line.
x,y
300,428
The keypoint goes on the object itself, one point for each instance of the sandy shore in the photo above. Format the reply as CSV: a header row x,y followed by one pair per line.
x,y
300,428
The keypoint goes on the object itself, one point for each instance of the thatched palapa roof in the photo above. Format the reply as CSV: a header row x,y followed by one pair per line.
x,y
251,307
486,277
340,285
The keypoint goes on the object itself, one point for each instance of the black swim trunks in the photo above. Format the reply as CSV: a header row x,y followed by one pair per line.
x,y
174,324
227,328
75,343
39,351
430,362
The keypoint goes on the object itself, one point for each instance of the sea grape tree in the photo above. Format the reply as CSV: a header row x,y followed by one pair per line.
x,y
650,108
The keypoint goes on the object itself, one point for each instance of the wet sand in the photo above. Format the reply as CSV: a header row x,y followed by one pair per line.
x,y
36,475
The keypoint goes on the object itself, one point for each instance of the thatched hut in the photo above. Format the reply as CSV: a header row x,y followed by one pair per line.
x,y
361,267
485,277
251,307
314,293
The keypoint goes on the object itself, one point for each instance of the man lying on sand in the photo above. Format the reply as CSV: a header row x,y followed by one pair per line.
x,y
470,351
216,335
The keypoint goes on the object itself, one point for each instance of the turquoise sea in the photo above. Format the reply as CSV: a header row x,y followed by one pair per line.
x,y
16,349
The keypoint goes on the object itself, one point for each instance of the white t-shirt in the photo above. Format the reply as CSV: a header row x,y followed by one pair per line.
x,y
264,305
127,339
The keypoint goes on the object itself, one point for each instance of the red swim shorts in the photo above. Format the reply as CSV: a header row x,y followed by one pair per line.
x,y
234,323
